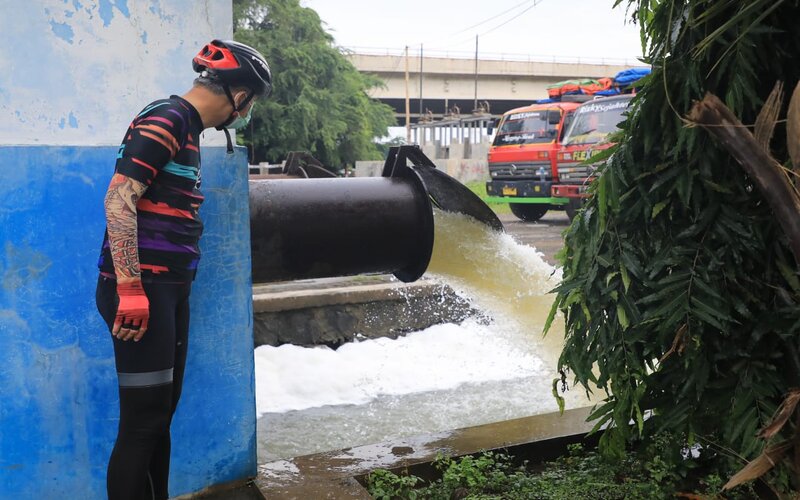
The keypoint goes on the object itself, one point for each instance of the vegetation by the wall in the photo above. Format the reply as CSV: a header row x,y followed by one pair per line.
x,y
650,474
680,293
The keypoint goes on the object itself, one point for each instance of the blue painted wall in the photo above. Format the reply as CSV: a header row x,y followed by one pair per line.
x,y
58,403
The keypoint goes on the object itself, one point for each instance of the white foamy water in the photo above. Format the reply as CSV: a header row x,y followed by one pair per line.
x,y
445,377
440,357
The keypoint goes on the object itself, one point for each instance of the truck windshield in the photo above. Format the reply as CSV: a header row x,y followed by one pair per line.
x,y
529,127
593,121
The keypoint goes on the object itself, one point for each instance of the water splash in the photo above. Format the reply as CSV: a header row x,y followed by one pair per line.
x,y
505,279
445,377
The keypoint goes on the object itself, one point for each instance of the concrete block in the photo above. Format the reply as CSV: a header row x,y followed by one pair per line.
x,y
334,316
464,171
480,150
457,150
431,150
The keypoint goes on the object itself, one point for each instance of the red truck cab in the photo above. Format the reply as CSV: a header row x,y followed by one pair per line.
x,y
588,134
522,158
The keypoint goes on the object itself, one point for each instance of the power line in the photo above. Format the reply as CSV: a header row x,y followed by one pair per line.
x,y
444,38
512,18
535,3
491,18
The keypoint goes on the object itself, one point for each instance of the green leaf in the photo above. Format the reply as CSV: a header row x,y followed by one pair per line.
x,y
661,205
603,261
790,275
550,317
586,312
559,399
602,200
702,285
626,280
622,316
639,418
705,313
718,312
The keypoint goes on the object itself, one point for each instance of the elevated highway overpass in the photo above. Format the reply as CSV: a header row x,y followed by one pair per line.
x,y
504,83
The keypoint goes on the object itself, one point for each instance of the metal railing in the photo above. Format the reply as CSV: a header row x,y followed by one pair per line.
x,y
492,56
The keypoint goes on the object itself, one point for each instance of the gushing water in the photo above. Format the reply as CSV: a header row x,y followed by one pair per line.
x,y
507,280
445,377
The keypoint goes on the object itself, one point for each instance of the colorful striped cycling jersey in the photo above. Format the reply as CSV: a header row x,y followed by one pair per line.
x,y
160,150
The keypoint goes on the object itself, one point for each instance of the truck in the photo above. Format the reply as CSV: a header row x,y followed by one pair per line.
x,y
588,134
522,158
534,166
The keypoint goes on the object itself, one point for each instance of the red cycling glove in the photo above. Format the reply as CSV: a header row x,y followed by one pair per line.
x,y
133,311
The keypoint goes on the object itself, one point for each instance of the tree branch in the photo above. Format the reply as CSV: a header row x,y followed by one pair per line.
x,y
712,114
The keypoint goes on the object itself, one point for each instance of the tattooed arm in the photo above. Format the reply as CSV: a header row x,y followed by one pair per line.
x,y
120,206
133,310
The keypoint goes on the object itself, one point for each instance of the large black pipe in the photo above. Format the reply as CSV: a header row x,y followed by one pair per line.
x,y
317,227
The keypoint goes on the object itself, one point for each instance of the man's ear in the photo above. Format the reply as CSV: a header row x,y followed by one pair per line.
x,y
239,97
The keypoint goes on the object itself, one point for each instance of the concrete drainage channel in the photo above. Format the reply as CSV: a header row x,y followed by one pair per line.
x,y
328,311
333,311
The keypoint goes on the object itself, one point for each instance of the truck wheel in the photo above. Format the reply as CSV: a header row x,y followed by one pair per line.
x,y
528,212
572,207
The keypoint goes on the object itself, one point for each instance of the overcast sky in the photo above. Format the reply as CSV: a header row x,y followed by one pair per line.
x,y
589,29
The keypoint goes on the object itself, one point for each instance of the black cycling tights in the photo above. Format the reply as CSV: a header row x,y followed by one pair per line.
x,y
150,374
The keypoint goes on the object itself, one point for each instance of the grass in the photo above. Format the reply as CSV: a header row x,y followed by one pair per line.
x,y
581,474
479,188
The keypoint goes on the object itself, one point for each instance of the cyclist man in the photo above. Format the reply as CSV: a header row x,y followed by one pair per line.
x,y
150,254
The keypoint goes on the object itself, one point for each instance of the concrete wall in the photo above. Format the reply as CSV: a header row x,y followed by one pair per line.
x,y
465,170
462,170
86,69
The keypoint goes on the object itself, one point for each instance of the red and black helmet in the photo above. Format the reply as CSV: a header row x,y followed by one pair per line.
x,y
235,65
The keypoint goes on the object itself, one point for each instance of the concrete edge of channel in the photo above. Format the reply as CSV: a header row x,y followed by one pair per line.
x,y
346,294
336,474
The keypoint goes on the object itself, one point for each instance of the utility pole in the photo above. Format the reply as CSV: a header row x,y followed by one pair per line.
x,y
421,111
408,105
475,105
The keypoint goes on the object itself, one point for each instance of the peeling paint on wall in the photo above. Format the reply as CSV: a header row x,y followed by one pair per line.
x,y
102,61
106,10
62,31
